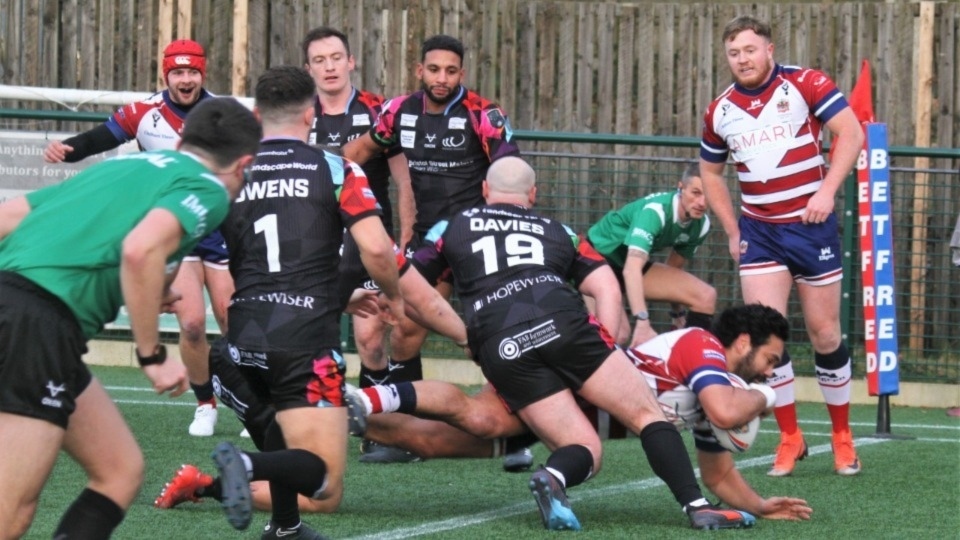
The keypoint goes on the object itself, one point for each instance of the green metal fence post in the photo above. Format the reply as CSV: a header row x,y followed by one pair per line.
x,y
850,235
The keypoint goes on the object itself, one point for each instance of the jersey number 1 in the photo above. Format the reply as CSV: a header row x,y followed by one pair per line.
x,y
268,226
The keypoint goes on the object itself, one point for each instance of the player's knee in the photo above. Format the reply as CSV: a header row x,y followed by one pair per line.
x,y
824,339
482,424
706,299
330,497
193,330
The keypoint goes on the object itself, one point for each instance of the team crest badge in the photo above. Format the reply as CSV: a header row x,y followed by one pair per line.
x,y
783,106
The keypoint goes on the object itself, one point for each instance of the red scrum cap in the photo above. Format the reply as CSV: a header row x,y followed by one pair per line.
x,y
184,53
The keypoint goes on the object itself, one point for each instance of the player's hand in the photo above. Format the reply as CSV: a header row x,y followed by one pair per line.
x,y
56,152
170,376
819,208
736,247
642,332
785,508
170,297
363,304
679,321
391,310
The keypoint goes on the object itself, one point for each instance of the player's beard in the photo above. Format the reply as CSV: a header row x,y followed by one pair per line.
x,y
744,370
439,101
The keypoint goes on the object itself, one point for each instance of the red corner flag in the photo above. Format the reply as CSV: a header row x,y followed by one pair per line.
x,y
861,100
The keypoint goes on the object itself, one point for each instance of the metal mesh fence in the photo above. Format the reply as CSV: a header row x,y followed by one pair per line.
x,y
579,182
578,188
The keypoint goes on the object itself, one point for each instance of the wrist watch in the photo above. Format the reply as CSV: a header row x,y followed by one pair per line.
x,y
641,316
159,356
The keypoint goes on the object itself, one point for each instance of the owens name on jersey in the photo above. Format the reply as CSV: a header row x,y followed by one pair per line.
x,y
773,135
284,234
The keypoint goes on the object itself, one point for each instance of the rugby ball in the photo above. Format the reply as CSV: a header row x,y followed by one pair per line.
x,y
738,439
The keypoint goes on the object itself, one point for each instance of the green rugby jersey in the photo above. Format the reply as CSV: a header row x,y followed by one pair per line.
x,y
649,224
71,241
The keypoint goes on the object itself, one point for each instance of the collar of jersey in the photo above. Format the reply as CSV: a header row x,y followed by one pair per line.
x,y
453,102
777,68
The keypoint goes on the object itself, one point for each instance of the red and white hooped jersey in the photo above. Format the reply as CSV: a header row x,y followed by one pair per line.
x,y
156,122
773,134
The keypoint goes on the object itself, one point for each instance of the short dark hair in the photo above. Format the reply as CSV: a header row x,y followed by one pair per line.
x,y
223,129
690,171
322,32
442,42
283,90
757,320
746,22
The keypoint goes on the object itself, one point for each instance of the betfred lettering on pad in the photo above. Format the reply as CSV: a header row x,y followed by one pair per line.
x,y
876,252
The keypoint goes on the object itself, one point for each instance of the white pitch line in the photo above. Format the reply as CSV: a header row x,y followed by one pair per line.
x,y
460,522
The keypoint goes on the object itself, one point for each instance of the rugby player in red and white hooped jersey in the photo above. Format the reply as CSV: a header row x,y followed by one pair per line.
x,y
769,122
156,124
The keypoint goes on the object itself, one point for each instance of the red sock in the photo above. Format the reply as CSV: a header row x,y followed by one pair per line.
x,y
376,406
787,418
840,417
208,402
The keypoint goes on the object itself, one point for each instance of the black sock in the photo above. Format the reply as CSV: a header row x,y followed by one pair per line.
x,y
91,515
574,462
519,442
284,511
699,320
213,491
832,361
299,470
669,460
204,392
370,377
405,371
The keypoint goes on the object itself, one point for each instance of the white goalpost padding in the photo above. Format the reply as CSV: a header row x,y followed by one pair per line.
x,y
74,99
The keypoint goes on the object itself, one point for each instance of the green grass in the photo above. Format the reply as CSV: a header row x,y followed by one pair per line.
x,y
908,488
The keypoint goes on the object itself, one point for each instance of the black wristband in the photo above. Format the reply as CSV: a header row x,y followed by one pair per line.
x,y
159,356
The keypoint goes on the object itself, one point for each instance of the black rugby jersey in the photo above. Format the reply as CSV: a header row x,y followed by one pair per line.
x,y
336,130
448,153
284,233
509,265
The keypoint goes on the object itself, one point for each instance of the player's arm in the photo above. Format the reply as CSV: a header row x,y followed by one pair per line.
x,y
727,406
848,137
361,149
429,309
144,283
601,285
12,213
377,255
89,143
720,475
636,302
400,171
718,198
